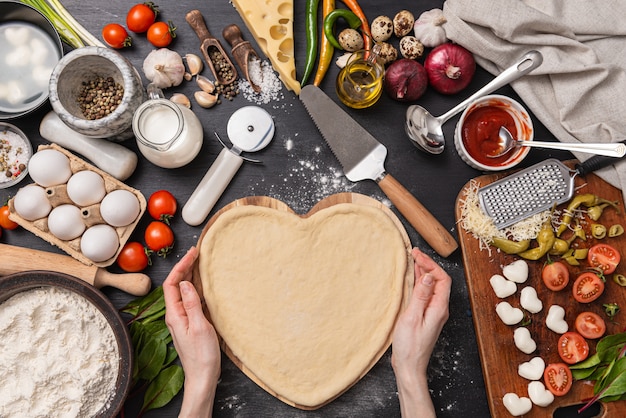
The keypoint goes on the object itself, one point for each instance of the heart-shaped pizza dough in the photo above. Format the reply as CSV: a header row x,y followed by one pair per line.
x,y
305,305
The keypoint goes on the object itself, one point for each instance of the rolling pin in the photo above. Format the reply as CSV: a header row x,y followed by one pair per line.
x,y
17,259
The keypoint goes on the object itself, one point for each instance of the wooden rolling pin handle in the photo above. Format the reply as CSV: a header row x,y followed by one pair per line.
x,y
137,284
418,216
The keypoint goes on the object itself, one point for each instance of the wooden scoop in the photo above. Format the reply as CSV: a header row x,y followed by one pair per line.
x,y
210,45
242,51
18,259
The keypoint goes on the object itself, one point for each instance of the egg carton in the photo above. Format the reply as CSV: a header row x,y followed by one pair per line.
x,y
57,195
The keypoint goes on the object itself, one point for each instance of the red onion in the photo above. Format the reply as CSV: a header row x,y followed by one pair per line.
x,y
405,80
450,68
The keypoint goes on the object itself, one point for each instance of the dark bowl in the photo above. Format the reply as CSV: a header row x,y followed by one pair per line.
x,y
19,282
13,11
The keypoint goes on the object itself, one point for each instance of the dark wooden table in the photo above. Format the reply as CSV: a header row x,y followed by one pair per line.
x,y
299,169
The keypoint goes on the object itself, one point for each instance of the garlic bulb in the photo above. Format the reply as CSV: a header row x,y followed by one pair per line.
x,y
164,68
429,30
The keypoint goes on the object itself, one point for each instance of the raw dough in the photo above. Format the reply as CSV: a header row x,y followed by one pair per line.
x,y
306,304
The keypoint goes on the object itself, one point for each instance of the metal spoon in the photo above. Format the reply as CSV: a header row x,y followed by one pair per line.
x,y
424,129
507,143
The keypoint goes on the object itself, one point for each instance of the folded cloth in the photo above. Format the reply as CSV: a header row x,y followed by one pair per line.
x,y
579,91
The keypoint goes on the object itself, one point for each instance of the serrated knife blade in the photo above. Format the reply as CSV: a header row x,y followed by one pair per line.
x,y
362,157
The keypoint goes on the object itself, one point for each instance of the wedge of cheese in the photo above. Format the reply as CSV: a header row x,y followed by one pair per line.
x,y
271,24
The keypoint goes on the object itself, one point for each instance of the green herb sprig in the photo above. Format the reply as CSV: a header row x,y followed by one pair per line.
x,y
154,367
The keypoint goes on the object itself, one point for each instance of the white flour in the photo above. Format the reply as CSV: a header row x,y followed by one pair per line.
x,y
58,355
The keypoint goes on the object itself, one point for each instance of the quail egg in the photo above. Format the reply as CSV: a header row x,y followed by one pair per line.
x,y
382,28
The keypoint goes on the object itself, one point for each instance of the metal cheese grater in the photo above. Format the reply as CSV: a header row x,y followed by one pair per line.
x,y
527,192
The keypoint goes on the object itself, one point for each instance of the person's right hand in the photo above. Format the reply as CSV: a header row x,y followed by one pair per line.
x,y
416,333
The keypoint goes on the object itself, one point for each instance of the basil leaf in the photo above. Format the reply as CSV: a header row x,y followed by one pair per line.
x,y
147,307
163,389
150,357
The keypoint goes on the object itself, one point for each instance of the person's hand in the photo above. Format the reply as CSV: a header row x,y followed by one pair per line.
x,y
416,334
194,337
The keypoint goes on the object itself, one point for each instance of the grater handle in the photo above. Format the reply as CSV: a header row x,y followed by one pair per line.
x,y
595,163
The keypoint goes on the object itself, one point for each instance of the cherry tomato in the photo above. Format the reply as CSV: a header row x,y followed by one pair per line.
x,y
116,36
159,238
558,378
555,275
590,325
588,287
133,257
572,347
162,205
141,16
604,257
160,34
5,222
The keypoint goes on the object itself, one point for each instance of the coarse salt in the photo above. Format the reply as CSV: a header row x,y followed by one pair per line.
x,y
262,74
14,155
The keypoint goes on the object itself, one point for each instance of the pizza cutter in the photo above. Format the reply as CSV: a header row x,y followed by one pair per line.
x,y
249,129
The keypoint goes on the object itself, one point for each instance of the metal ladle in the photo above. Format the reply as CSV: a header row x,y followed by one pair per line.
x,y
424,129
507,143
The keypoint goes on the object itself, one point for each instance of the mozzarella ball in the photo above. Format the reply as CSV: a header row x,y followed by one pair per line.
x,y
86,188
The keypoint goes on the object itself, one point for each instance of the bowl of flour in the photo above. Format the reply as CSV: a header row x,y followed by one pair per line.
x,y
64,349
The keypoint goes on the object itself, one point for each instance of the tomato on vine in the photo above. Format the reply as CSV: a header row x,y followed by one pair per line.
x,y
159,238
141,16
116,36
133,257
161,34
162,206
5,222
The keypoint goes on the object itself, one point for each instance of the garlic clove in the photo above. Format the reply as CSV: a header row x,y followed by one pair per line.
x,y
205,84
181,99
194,64
187,76
205,99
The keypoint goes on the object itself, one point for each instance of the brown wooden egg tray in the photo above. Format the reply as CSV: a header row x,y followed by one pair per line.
x,y
57,195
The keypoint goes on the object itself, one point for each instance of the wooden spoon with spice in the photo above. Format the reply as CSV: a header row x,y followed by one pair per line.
x,y
216,58
244,54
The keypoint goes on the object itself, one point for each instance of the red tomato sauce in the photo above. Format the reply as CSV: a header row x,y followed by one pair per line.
x,y
480,133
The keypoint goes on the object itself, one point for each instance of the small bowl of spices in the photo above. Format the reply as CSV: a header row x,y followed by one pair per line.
x,y
15,152
95,91
476,134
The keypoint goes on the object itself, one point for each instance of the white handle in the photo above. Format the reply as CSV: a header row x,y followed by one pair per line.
x,y
115,159
211,187
607,149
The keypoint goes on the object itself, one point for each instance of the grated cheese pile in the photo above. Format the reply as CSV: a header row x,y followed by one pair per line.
x,y
481,226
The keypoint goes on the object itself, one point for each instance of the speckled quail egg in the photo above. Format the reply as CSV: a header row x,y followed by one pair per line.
x,y
119,208
381,28
388,53
86,188
403,23
49,167
65,222
350,40
31,202
411,47
99,243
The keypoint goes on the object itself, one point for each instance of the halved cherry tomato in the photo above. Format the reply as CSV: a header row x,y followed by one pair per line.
x,y
590,325
141,16
604,257
572,347
5,222
588,287
159,238
162,206
160,34
116,36
558,378
555,275
133,257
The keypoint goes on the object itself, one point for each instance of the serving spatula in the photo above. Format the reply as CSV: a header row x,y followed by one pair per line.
x,y
363,157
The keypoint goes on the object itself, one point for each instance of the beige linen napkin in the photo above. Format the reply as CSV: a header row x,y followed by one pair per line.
x,y
579,91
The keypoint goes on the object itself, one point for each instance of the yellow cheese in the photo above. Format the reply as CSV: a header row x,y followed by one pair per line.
x,y
271,23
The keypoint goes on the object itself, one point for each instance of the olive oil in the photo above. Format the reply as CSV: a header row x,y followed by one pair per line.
x,y
360,82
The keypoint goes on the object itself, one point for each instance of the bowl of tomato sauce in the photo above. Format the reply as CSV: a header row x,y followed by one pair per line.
x,y
476,134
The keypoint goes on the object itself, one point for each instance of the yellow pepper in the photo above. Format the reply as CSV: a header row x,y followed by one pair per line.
x,y
545,239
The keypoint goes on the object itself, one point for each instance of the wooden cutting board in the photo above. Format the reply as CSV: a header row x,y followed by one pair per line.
x,y
281,206
499,356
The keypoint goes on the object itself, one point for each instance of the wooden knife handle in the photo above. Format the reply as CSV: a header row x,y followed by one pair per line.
x,y
418,216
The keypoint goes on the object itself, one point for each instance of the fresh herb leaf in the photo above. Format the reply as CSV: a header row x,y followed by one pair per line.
x,y
162,389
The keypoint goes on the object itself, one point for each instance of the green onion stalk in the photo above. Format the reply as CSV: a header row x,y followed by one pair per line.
x,y
70,31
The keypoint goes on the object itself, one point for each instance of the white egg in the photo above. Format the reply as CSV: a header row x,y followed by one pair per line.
x,y
66,222
31,202
99,243
86,188
49,167
119,208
